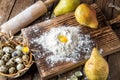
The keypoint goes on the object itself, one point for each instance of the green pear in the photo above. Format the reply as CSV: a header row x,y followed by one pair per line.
x,y
66,6
96,68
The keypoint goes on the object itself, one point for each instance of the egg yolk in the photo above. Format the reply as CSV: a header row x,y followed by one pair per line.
x,y
62,38
25,49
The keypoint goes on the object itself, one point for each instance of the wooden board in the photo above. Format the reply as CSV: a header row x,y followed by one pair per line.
x,y
5,9
105,38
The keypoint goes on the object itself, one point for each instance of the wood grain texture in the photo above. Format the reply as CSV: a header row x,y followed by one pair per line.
x,y
115,12
114,59
103,36
103,4
87,1
5,9
115,20
114,64
19,6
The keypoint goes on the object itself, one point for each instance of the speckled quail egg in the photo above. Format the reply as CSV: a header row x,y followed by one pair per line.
x,y
2,62
73,77
25,58
3,69
12,60
8,49
1,53
20,66
18,60
17,53
19,47
10,63
12,70
6,57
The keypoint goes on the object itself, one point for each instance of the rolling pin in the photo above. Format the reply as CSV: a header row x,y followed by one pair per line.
x,y
24,18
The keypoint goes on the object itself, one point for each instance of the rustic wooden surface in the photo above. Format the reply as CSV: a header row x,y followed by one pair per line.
x,y
9,8
100,35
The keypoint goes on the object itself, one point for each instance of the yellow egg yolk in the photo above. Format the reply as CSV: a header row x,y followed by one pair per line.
x,y
62,39
25,50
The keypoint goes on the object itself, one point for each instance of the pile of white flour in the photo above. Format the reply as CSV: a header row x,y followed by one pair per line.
x,y
77,44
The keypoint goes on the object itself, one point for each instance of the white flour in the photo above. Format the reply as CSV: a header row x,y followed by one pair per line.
x,y
76,45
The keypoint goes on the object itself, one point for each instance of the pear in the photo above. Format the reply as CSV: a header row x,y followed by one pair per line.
x,y
96,68
86,16
66,6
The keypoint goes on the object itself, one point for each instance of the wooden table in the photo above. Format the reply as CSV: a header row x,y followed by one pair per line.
x,y
10,8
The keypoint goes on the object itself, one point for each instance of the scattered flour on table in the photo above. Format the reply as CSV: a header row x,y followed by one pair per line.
x,y
72,50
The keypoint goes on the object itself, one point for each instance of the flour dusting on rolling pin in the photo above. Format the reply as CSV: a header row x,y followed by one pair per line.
x,y
25,17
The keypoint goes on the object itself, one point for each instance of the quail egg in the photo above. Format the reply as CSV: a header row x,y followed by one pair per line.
x,y
10,63
78,73
18,60
11,60
73,77
20,66
19,47
6,57
3,69
8,50
25,58
2,62
12,70
17,53
1,53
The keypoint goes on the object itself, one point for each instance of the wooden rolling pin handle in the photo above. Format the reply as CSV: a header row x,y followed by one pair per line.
x,y
25,17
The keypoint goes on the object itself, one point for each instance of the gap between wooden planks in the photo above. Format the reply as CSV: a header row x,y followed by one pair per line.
x,y
104,37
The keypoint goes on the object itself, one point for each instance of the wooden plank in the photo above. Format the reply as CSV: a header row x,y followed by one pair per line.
x,y
103,4
103,36
114,65
115,12
20,5
114,59
87,1
5,9
67,75
115,20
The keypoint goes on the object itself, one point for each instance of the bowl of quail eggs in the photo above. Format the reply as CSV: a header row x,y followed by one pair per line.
x,y
15,60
